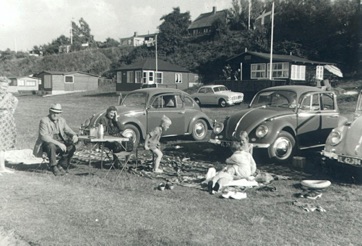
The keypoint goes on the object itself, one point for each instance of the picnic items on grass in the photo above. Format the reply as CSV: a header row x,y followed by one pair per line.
x,y
316,184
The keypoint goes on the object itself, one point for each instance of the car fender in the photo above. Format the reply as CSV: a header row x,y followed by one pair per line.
x,y
274,130
137,123
199,117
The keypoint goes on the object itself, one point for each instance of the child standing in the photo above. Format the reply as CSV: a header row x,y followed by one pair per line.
x,y
152,142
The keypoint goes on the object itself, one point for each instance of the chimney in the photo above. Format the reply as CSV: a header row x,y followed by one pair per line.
x,y
135,34
214,9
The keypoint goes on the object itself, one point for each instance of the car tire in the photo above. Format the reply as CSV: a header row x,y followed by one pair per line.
x,y
222,103
199,130
282,149
198,101
132,131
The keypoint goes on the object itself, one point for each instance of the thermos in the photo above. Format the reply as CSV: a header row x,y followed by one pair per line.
x,y
100,131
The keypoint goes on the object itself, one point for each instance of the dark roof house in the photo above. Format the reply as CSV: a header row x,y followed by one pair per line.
x,y
202,24
147,71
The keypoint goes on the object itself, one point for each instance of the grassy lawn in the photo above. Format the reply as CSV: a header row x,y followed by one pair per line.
x,y
88,208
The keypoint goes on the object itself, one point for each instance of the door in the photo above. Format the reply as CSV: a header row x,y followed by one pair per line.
x,y
329,115
309,121
171,106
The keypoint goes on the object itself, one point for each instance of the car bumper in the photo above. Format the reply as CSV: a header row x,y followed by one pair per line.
x,y
232,102
350,160
228,144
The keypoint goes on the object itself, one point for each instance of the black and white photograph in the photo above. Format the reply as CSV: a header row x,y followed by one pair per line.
x,y
180,122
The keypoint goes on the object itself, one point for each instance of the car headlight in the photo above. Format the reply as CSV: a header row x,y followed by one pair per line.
x,y
261,131
218,127
86,123
335,137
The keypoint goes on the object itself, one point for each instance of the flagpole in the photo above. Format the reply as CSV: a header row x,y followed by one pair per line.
x,y
249,15
156,57
271,43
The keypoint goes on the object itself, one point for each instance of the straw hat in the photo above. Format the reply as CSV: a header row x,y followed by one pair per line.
x,y
56,108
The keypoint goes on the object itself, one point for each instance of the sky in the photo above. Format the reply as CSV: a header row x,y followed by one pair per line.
x,y
26,23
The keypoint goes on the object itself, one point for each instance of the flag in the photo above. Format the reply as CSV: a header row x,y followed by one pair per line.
x,y
264,18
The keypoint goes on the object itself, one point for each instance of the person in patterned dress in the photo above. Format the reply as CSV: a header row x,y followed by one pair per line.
x,y
8,104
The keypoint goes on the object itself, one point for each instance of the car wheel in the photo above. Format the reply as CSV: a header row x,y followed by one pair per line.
x,y
222,103
199,130
198,101
132,131
283,147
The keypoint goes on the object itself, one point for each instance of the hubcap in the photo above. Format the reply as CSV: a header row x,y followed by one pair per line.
x,y
282,148
200,129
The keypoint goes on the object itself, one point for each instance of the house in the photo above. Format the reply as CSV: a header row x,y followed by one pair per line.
x,y
293,69
131,77
138,40
24,84
203,24
54,82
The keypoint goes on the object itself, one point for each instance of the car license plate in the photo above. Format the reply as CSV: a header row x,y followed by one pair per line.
x,y
350,160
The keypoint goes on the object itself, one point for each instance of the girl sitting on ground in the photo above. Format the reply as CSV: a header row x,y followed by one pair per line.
x,y
240,165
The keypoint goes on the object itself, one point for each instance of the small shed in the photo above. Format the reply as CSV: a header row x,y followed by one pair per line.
x,y
163,74
24,84
54,82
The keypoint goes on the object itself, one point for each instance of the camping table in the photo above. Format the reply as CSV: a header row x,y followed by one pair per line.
x,y
100,141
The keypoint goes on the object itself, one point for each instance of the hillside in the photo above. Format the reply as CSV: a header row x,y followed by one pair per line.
x,y
94,61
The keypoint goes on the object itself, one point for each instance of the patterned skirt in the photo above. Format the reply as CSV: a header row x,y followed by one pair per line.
x,y
7,130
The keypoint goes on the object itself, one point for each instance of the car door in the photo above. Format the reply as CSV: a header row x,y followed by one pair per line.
x,y
329,115
170,105
309,121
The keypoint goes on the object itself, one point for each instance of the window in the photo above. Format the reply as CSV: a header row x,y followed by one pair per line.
x,y
130,77
319,72
189,103
138,77
21,83
258,71
159,77
311,103
328,101
298,72
119,77
144,77
30,83
280,70
68,79
150,76
178,78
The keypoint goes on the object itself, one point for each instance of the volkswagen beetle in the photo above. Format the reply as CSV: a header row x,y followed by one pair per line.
x,y
283,119
344,143
141,110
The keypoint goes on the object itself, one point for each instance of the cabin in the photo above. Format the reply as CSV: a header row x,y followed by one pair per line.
x,y
24,84
138,40
148,72
55,82
202,25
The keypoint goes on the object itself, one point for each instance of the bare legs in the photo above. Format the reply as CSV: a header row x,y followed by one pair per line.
x,y
3,169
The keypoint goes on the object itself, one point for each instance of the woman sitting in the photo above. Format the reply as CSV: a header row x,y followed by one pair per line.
x,y
112,127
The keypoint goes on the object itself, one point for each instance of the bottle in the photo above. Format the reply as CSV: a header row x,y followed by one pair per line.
x,y
100,131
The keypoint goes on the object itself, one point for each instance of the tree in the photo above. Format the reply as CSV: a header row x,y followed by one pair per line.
x,y
173,31
82,37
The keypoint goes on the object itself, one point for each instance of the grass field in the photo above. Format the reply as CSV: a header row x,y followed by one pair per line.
x,y
87,208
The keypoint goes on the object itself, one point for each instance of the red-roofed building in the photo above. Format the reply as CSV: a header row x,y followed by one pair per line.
x,y
202,24
131,77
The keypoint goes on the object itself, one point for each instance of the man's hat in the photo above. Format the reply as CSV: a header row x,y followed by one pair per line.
x,y
56,108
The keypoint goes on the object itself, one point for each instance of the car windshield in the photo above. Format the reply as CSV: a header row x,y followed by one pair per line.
x,y
220,88
277,98
137,99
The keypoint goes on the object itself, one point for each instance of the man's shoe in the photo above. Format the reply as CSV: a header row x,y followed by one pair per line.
x,y
56,171
61,169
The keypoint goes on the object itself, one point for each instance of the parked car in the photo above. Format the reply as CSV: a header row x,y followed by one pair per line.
x,y
344,143
141,111
283,119
217,95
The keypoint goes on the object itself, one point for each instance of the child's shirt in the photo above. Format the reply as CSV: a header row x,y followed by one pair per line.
x,y
154,138
243,163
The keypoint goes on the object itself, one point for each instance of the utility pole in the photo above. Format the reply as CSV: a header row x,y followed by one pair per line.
x,y
71,33
156,57
249,10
